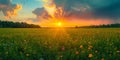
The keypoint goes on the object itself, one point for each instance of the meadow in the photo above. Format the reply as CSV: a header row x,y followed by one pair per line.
x,y
60,44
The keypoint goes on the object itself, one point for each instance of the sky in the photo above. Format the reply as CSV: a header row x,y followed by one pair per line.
x,y
67,12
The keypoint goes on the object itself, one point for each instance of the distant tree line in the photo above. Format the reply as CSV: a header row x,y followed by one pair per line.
x,y
10,24
117,25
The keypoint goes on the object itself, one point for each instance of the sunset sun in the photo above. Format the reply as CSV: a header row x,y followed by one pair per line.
x,y
59,24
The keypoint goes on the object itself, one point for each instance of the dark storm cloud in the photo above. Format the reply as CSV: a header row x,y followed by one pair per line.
x,y
74,7
8,8
111,11
6,2
96,8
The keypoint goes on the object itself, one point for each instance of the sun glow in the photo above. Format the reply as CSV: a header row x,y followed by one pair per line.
x,y
59,24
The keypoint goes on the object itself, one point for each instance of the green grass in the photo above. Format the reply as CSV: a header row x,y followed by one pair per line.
x,y
60,44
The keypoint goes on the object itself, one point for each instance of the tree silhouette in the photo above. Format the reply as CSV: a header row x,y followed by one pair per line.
x,y
116,25
10,24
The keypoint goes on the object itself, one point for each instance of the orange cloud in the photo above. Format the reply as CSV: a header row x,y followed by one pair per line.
x,y
9,9
12,11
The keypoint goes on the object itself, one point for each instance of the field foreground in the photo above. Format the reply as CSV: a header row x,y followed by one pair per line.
x,y
60,44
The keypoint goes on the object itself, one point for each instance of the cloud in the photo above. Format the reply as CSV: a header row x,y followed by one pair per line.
x,y
87,10
8,8
91,8
111,11
64,9
41,13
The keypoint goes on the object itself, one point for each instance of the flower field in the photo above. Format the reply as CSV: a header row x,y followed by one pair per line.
x,y
60,44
